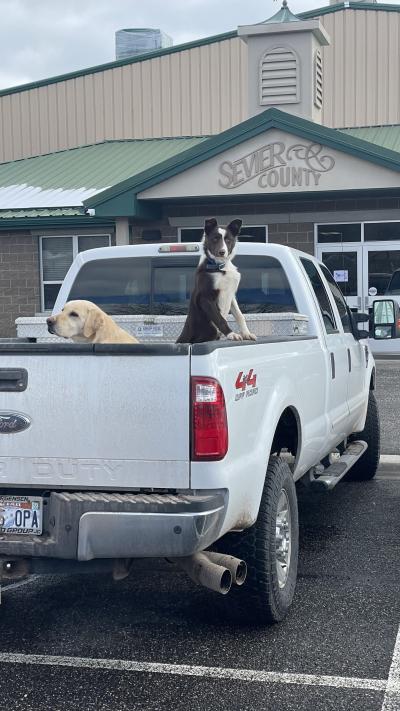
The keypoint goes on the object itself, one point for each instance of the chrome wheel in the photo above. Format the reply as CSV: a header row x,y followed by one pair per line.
x,y
283,538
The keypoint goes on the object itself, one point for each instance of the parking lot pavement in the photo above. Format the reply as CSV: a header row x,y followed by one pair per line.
x,y
155,641
388,396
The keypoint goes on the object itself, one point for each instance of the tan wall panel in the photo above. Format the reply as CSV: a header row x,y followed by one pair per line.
x,y
80,109
360,73
117,103
166,113
393,73
35,133
16,123
382,94
72,137
197,91
215,87
205,82
108,82
155,97
62,117
53,117
43,105
99,117
186,125
90,120
195,98
26,140
127,113
137,100
363,61
176,93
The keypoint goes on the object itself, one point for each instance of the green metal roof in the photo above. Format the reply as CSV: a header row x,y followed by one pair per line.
x,y
49,212
64,179
283,15
384,136
329,9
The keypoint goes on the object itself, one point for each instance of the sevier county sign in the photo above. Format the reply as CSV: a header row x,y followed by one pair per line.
x,y
276,165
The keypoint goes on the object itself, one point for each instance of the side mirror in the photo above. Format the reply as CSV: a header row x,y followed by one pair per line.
x,y
385,319
357,322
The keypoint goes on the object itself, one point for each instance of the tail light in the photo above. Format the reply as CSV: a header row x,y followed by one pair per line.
x,y
209,423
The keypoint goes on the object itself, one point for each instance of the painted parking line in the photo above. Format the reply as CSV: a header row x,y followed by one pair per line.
x,y
391,701
251,675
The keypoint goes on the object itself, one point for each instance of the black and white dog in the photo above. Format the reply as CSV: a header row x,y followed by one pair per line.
x,y
216,283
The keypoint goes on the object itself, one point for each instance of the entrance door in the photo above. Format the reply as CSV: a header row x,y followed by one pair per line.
x,y
345,263
381,272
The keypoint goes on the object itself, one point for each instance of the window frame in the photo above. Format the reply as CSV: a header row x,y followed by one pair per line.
x,y
201,227
75,252
350,324
331,303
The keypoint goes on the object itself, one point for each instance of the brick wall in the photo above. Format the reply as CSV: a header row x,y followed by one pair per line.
x,y
19,279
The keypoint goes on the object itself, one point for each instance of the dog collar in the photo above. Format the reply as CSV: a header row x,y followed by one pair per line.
x,y
213,266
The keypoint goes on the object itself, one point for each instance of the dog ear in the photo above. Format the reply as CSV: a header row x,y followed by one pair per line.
x,y
234,227
93,322
210,225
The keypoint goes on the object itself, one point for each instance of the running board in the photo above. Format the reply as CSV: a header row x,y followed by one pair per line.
x,y
335,472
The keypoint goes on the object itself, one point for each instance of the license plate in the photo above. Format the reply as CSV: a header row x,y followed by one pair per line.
x,y
21,514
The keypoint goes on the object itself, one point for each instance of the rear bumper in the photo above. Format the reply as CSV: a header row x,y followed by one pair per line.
x,y
87,525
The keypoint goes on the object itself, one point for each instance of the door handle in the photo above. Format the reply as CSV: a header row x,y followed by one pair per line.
x,y
349,359
13,380
333,366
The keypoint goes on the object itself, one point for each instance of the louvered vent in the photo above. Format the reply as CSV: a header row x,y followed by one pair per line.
x,y
279,77
318,79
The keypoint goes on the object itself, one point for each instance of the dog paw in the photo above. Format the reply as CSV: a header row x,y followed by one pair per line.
x,y
232,336
247,336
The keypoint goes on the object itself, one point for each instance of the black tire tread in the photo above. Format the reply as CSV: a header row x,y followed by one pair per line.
x,y
260,599
367,466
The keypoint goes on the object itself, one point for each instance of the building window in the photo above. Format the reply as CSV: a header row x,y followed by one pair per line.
x,y
318,96
381,231
326,234
253,233
56,257
279,77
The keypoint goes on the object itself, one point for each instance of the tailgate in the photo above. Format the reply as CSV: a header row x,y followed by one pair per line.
x,y
110,417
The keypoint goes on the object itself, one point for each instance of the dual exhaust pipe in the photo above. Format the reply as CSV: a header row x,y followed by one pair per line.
x,y
215,571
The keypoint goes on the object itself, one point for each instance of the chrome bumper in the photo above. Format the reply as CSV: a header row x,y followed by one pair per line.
x,y
87,525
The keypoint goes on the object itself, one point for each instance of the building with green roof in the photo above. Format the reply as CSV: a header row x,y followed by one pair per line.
x,y
279,123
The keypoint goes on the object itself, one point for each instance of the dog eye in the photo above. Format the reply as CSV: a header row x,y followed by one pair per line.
x,y
74,314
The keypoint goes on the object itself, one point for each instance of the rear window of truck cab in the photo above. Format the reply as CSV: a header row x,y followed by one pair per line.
x,y
162,285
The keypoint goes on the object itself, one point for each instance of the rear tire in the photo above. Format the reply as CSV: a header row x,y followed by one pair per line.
x,y
270,549
367,466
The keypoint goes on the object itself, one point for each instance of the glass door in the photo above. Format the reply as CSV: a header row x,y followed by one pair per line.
x,y
345,264
381,272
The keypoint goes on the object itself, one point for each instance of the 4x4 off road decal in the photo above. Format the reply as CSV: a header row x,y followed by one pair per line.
x,y
247,384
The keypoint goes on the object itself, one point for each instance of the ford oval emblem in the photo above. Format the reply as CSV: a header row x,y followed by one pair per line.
x,y
12,422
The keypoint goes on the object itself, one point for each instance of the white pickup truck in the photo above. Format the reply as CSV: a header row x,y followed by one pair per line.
x,y
111,453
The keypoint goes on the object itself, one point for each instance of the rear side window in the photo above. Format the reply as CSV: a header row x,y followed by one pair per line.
x,y
321,294
163,285
339,299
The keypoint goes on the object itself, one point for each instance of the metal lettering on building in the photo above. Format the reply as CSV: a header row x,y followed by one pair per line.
x,y
277,166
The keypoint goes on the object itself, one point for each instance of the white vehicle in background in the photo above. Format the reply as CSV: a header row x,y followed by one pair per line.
x,y
111,453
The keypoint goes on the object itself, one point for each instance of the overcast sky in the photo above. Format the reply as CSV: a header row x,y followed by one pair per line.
x,y
42,38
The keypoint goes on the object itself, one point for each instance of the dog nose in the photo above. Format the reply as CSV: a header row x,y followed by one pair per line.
x,y
222,253
50,320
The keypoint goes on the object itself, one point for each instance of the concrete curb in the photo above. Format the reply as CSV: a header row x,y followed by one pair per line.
x,y
389,464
